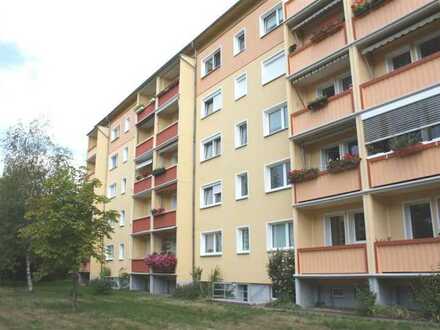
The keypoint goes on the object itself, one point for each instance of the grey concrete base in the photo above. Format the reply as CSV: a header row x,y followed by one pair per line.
x,y
162,284
259,294
140,282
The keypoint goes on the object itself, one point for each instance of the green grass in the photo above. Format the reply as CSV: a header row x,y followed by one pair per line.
x,y
49,307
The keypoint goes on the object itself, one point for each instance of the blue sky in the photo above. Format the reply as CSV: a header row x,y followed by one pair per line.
x,y
10,55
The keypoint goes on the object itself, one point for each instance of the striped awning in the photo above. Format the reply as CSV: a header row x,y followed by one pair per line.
x,y
401,33
316,14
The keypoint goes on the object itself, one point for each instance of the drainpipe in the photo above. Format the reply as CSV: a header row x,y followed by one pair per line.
x,y
194,162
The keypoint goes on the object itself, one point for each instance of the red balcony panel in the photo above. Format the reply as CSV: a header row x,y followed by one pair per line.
x,y
149,109
167,134
168,176
168,93
145,146
164,220
139,266
141,224
142,185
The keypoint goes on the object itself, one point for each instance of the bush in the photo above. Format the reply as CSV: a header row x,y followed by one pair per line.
x,y
426,292
281,270
366,301
164,262
105,272
100,286
393,312
190,291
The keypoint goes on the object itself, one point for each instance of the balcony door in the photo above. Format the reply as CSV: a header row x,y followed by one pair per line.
x,y
418,220
345,228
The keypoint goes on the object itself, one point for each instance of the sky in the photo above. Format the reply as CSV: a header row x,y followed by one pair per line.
x,y
71,62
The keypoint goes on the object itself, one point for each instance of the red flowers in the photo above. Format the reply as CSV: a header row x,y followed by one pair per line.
x,y
165,262
347,162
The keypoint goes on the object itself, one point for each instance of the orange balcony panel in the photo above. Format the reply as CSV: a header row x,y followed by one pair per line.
x,y
314,52
91,152
327,185
145,146
406,80
143,185
293,7
167,134
408,256
164,220
424,163
169,175
344,259
149,109
168,94
139,266
338,106
141,225
385,15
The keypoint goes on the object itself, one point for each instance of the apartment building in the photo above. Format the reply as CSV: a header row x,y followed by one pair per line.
x,y
364,105
344,97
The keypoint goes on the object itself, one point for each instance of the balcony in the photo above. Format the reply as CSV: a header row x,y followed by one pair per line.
x,y
408,256
382,16
141,225
91,153
139,266
293,7
344,259
338,107
143,185
169,176
168,94
146,112
167,134
145,147
313,52
328,185
165,220
421,164
408,79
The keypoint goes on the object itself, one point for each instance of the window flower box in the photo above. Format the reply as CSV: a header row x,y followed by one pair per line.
x,y
157,211
164,262
406,145
298,176
318,103
158,171
326,31
348,162
363,7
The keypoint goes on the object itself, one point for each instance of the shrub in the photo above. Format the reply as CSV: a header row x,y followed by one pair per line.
x,y
347,162
426,292
281,270
105,272
164,262
100,286
190,291
297,176
366,301
393,312
405,144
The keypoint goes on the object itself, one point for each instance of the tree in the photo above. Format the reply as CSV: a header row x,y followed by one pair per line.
x,y
281,270
68,222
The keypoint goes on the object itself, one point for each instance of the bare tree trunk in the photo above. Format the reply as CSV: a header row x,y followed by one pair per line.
x,y
75,285
28,273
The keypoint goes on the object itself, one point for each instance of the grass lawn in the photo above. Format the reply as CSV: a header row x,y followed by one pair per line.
x,y
49,307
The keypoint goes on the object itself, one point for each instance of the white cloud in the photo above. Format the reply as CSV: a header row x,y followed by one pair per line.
x,y
84,57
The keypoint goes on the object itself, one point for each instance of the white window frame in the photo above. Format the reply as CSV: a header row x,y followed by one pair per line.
x,y
421,41
269,242
125,155
209,139
111,165
114,133
389,57
122,218
267,177
207,58
109,190
237,50
126,124
108,256
238,186
121,251
272,58
407,228
239,240
202,194
336,83
123,185
238,143
349,230
284,119
242,76
343,149
202,243
218,92
280,21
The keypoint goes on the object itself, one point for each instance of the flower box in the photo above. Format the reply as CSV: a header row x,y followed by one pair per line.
x,y
158,171
406,145
318,103
165,262
157,211
363,7
298,176
326,31
348,162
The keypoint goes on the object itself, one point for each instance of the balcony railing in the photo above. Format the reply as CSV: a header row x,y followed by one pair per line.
x,y
170,175
385,15
408,79
143,185
293,7
141,225
148,110
338,107
165,220
167,134
91,152
145,147
313,52
344,259
327,185
168,94
408,256
139,266
424,162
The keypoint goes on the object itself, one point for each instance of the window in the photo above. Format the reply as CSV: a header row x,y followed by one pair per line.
x,y
399,59
212,103
211,195
429,47
275,119
345,228
335,87
243,241
241,134
241,186
337,293
113,162
271,20
239,42
211,243
174,202
126,124
114,133
273,68
280,235
122,218
418,220
123,185
357,227
277,176
337,229
121,251
211,147
240,86
125,155
112,191
336,152
211,63
109,252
